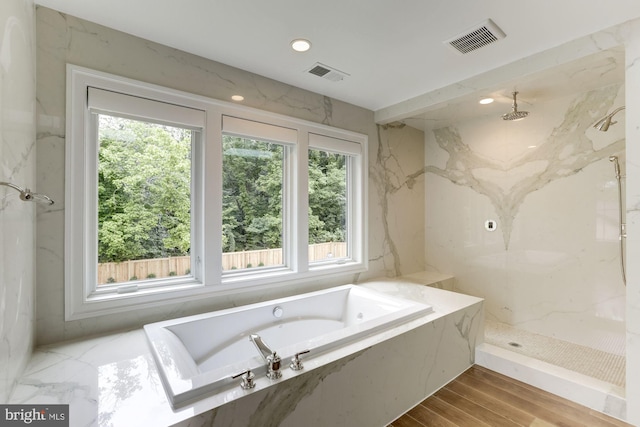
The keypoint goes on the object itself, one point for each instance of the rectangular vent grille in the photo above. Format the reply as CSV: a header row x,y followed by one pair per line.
x,y
482,35
326,72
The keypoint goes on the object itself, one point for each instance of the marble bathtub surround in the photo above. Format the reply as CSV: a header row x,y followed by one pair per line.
x,y
396,235
113,379
17,165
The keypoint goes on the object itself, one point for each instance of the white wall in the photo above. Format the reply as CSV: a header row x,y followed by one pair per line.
x,y
396,235
17,165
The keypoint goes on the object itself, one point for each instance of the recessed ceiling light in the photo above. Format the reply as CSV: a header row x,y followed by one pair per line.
x,y
237,97
300,45
485,101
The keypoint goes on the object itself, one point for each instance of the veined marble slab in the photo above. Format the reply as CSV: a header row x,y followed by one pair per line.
x,y
17,166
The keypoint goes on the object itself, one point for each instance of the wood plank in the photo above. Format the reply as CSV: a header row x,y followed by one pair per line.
x,y
478,396
482,413
583,409
429,418
451,413
532,406
406,421
570,410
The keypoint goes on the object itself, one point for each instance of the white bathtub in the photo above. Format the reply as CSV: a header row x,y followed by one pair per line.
x,y
198,355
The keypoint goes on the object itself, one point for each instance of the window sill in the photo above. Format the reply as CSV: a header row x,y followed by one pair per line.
x,y
102,304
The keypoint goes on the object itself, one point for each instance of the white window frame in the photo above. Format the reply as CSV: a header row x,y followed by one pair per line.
x,y
288,138
83,300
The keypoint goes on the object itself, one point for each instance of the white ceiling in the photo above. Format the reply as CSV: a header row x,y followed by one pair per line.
x,y
392,49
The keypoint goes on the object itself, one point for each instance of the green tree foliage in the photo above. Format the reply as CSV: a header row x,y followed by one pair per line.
x,y
327,197
252,194
144,180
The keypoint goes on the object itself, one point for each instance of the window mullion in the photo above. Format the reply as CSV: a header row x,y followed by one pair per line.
x,y
211,194
301,200
91,206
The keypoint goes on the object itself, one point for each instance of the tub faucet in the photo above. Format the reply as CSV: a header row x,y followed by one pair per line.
x,y
272,359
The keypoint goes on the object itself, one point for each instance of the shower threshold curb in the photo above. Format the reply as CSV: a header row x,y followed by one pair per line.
x,y
579,388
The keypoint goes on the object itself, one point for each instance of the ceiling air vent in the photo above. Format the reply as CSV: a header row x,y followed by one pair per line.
x,y
326,72
479,36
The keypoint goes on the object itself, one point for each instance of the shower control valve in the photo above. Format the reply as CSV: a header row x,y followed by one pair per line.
x,y
296,364
490,225
246,381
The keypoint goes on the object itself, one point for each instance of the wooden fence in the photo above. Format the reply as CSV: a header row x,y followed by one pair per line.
x,y
118,272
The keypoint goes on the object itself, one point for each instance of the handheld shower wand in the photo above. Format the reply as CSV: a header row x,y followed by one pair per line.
x,y
616,165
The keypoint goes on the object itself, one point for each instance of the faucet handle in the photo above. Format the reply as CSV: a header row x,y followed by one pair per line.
x,y
296,364
246,382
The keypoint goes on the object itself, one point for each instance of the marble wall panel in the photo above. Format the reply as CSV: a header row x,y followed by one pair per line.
x,y
552,264
396,218
17,165
632,81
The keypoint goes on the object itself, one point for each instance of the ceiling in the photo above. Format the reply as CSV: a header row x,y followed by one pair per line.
x,y
590,72
391,50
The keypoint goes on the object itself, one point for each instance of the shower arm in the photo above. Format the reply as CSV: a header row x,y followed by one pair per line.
x,y
27,195
604,123
614,112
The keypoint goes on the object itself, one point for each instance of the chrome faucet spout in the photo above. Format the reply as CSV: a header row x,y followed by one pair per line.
x,y
270,356
263,349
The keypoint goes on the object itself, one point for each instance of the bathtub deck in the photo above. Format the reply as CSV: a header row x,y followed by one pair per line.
x,y
480,397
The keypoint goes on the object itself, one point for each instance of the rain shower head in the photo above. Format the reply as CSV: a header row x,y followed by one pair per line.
x,y
603,124
515,114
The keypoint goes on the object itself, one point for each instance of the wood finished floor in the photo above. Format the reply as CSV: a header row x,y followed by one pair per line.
x,y
480,397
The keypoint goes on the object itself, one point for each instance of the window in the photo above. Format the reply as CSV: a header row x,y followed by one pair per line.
x,y
172,196
328,208
256,159
144,200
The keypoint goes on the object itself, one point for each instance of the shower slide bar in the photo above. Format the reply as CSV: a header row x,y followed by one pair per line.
x,y
603,125
28,195
621,223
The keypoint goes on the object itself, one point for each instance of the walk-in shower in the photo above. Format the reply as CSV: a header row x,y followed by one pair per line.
x,y
558,322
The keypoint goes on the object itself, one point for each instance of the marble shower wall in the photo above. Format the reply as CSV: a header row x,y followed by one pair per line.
x,y
17,165
552,264
396,201
632,82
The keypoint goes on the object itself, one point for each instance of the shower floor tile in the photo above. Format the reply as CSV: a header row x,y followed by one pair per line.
x,y
602,365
